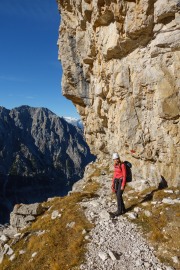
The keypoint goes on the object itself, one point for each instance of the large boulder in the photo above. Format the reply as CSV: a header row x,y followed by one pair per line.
x,y
22,214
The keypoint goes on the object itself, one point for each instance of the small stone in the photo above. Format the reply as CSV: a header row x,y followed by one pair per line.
x,y
29,218
10,232
49,208
138,252
111,255
147,213
169,191
22,251
84,231
102,255
139,262
133,255
34,254
132,215
154,203
130,192
167,201
55,214
137,209
147,265
104,215
175,259
17,235
4,238
50,199
70,225
176,200
12,257
40,233
145,203
92,214
94,204
8,250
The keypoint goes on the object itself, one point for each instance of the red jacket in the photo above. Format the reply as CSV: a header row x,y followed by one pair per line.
x,y
120,172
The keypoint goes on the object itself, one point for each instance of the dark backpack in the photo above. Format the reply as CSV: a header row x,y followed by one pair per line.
x,y
128,171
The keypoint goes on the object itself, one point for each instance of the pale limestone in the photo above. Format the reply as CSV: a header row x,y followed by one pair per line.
x,y
121,70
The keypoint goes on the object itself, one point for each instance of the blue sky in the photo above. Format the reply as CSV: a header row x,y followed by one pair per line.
x,y
30,73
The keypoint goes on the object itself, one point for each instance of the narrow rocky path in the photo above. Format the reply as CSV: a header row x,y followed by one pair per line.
x,y
115,244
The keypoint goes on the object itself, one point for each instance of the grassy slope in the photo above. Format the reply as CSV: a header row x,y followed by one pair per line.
x,y
62,247
162,228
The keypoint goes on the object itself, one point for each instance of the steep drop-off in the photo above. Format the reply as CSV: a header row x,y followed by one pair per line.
x,y
121,70
41,156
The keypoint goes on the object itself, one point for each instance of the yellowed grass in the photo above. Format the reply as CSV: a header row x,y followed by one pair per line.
x,y
162,228
61,247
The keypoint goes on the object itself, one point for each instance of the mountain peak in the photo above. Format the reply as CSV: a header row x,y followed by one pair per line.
x,y
39,152
74,121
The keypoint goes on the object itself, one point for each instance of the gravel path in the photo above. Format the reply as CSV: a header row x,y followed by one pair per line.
x,y
115,244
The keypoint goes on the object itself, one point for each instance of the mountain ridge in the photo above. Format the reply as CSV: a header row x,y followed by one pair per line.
x,y
74,121
39,150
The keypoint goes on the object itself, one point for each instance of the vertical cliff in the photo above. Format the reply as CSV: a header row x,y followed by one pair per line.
x,y
121,70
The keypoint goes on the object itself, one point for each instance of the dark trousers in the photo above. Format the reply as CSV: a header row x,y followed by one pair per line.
x,y
120,202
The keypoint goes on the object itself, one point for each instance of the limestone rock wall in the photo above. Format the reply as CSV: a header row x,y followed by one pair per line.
x,y
121,69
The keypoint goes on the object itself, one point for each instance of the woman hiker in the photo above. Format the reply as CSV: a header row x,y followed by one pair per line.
x,y
118,183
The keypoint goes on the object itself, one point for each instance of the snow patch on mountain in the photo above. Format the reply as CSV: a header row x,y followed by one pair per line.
x,y
74,121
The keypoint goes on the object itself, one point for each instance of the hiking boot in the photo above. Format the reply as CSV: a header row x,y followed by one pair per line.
x,y
116,214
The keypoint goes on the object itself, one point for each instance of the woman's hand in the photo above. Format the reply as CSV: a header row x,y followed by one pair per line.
x,y
112,187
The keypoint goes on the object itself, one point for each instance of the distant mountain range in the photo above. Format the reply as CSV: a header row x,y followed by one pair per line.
x,y
74,121
41,155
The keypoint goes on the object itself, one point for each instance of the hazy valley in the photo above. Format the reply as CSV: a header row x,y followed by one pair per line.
x,y
41,156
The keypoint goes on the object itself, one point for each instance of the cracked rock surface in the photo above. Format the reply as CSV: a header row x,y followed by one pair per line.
x,y
120,63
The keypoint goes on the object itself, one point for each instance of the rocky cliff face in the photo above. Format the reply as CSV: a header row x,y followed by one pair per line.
x,y
41,155
121,70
